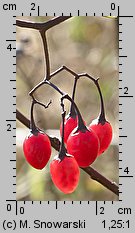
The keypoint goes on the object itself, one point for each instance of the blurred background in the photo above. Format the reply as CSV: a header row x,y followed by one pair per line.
x,y
84,44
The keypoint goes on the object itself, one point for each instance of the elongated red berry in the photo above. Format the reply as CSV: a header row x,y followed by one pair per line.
x,y
84,146
37,149
104,133
65,173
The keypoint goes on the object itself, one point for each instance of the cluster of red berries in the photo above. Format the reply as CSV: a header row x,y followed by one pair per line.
x,y
83,144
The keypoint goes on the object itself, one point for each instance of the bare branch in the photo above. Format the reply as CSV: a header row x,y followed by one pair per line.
x,y
46,53
40,26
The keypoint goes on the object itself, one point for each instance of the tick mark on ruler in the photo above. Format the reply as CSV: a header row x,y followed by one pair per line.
x,y
38,10
96,208
10,40
125,16
122,56
56,205
127,96
10,120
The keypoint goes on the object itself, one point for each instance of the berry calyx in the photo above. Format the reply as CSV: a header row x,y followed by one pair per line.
x,y
101,126
37,149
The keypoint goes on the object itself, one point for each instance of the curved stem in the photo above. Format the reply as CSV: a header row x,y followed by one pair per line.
x,y
62,152
102,118
54,87
72,112
102,110
81,125
45,25
33,127
46,53
36,87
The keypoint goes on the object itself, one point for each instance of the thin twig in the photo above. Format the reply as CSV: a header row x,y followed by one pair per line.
x,y
45,25
46,53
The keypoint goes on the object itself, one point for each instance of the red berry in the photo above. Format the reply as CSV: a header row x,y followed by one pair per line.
x,y
37,149
69,124
84,146
65,173
104,133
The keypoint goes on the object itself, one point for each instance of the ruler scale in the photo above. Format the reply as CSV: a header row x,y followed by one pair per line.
x,y
33,216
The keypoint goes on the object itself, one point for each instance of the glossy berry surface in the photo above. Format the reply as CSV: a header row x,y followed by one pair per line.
x,y
65,173
37,149
83,146
104,133
69,124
